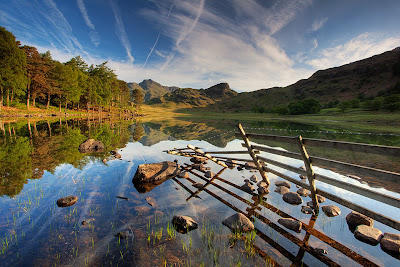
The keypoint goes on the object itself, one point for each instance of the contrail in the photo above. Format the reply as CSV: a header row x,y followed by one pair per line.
x,y
185,33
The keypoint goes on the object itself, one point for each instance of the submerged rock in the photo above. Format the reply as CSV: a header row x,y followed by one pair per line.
x,y
262,184
238,223
90,146
197,185
231,163
368,234
147,173
331,210
291,224
391,242
355,218
247,187
142,209
184,224
123,234
249,165
281,190
262,190
282,183
67,201
292,198
152,202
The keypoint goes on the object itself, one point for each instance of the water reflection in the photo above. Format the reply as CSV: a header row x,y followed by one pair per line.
x,y
40,163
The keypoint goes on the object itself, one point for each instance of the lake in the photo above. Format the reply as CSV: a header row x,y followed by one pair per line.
x,y
40,163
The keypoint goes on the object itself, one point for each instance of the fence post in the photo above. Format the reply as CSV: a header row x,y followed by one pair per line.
x,y
310,172
253,154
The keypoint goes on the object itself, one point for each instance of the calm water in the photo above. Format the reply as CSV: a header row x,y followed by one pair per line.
x,y
40,162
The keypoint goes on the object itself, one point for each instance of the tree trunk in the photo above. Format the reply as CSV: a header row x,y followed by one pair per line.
x,y
12,96
28,98
8,98
33,101
1,99
48,101
65,110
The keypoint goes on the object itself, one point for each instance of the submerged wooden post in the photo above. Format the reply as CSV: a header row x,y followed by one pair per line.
x,y
253,154
310,172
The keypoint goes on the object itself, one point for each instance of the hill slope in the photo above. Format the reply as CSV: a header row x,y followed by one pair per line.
x,y
151,89
365,77
198,97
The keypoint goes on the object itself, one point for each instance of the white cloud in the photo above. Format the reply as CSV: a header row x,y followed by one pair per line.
x,y
120,31
360,47
318,24
94,36
315,45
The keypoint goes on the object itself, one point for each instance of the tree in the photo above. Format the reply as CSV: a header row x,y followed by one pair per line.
x,y
343,106
137,98
12,66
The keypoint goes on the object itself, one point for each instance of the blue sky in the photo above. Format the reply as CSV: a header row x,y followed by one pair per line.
x,y
197,43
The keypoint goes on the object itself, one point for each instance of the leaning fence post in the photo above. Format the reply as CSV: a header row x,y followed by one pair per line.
x,y
252,154
310,172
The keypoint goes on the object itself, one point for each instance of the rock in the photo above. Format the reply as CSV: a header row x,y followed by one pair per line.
x,y
253,178
391,243
302,177
197,185
292,198
281,190
198,160
247,187
87,221
331,210
303,168
147,173
184,224
282,183
90,146
355,218
307,210
310,204
303,192
262,184
142,209
291,224
199,167
104,161
231,163
249,165
123,234
152,202
320,199
117,156
209,174
253,170
320,251
67,201
183,175
239,168
368,234
355,177
238,223
262,190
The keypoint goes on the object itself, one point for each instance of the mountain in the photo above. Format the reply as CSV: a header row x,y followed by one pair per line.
x,y
364,78
151,89
198,97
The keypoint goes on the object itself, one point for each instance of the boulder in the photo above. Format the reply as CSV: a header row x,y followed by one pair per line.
x,y
331,210
209,174
67,201
282,183
307,210
291,224
320,199
199,167
123,234
184,224
90,146
239,168
254,178
198,160
183,175
391,242
281,190
355,218
292,198
162,171
302,177
320,251
238,223
250,165
303,192
368,234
